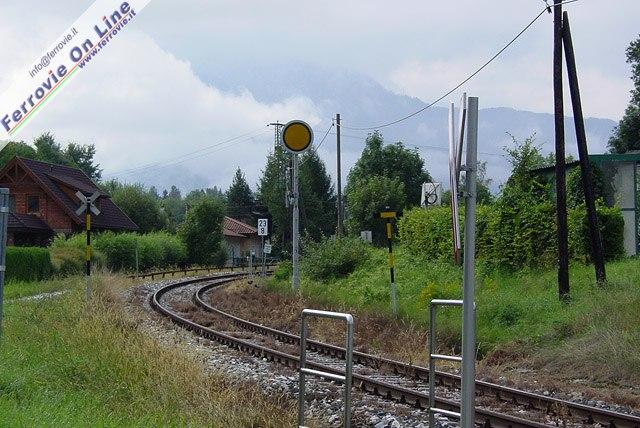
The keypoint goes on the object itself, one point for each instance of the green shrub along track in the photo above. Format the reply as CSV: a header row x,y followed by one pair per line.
x,y
576,413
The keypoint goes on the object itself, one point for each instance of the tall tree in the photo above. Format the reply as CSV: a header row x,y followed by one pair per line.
x,y
626,136
174,207
81,156
371,196
317,197
272,191
391,161
240,199
138,204
16,148
48,150
202,232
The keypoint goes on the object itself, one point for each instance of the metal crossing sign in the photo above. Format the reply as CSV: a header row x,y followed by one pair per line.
x,y
87,201
263,227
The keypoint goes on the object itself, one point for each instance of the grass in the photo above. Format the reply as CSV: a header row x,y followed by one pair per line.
x,y
63,363
17,289
519,314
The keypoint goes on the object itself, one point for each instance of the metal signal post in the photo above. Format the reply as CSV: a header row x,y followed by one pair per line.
x,y
4,218
388,215
297,137
87,207
468,372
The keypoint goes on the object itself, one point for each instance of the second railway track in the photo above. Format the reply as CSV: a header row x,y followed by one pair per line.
x,y
551,411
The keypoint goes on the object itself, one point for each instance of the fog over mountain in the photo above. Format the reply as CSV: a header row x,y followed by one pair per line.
x,y
363,102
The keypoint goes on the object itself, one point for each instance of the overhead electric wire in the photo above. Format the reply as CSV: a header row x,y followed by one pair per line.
x,y
455,88
316,148
153,165
227,145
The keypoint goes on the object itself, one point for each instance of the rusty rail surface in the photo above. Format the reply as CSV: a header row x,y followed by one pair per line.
x,y
588,415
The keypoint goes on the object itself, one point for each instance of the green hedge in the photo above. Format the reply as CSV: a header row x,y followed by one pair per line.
x,y
67,255
28,264
509,237
334,258
117,251
155,250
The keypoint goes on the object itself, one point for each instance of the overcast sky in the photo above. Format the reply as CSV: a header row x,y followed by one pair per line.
x,y
142,101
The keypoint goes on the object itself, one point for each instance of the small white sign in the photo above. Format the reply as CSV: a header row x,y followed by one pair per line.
x,y
366,236
263,227
267,248
431,194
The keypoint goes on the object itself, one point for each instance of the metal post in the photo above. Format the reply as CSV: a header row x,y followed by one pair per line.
x,y
4,217
561,184
88,251
348,372
295,277
468,294
597,250
346,379
394,296
432,363
301,378
137,261
262,270
339,180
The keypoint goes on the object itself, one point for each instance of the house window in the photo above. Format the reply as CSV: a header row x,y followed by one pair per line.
x,y
12,203
33,204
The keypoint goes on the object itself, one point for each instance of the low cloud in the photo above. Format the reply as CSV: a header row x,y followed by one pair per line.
x,y
140,104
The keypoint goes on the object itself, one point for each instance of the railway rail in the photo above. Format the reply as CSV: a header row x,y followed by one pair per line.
x,y
587,415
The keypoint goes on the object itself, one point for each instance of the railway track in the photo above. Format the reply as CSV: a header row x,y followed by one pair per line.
x,y
577,413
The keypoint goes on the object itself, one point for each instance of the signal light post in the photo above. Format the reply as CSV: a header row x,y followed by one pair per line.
x,y
388,215
87,207
297,137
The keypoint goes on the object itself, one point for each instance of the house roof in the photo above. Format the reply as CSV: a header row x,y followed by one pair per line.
x,y
51,177
233,227
26,222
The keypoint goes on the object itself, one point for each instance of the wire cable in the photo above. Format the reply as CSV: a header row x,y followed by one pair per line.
x,y
316,148
156,164
471,76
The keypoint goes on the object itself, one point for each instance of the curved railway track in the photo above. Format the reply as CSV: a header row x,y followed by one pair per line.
x,y
578,413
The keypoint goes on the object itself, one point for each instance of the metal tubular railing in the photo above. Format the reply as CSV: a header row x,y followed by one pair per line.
x,y
433,357
346,379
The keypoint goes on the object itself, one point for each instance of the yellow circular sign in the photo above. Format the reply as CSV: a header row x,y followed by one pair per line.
x,y
297,136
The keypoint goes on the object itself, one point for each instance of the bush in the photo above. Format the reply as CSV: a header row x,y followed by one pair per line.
x,y
611,225
28,264
427,232
334,258
201,232
283,271
155,250
68,258
117,251
512,236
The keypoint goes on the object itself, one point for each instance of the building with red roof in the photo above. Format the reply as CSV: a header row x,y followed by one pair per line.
x,y
43,202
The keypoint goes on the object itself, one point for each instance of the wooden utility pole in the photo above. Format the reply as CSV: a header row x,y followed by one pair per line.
x,y
561,184
339,230
597,249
